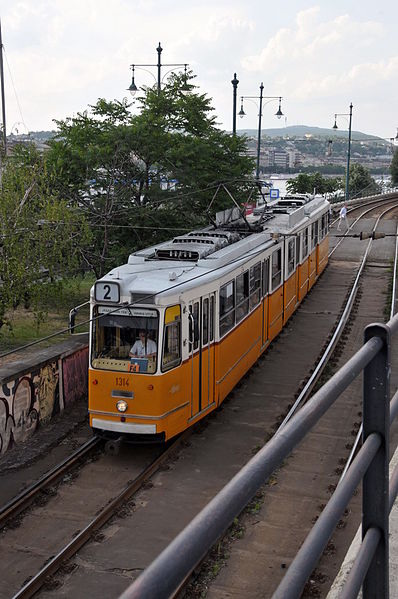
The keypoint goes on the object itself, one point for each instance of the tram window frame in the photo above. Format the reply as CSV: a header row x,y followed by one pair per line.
x,y
205,321
196,330
305,244
211,318
276,266
242,295
227,308
255,285
265,273
298,246
324,226
171,329
314,234
291,250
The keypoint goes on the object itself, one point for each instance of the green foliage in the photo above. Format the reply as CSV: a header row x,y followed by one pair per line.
x,y
361,181
39,233
310,182
394,168
118,168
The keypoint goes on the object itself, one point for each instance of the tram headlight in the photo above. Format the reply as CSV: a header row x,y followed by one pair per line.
x,y
121,405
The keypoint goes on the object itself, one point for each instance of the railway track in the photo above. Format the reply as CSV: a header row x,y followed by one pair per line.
x,y
24,499
105,514
328,445
212,440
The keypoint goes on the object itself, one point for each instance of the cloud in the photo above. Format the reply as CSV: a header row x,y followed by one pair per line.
x,y
318,55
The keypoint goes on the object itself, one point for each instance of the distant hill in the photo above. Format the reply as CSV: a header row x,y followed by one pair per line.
x,y
303,130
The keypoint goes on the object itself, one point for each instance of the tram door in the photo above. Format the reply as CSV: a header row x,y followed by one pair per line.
x,y
202,353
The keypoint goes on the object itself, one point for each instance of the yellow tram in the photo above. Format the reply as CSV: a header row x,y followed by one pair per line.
x,y
176,328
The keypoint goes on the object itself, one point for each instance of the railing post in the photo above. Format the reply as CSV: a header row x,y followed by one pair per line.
x,y
375,498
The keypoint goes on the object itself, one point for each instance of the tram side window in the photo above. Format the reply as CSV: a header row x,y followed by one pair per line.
x,y
196,325
314,235
324,226
305,243
205,324
211,319
227,307
172,338
266,276
276,268
298,244
242,295
291,247
255,285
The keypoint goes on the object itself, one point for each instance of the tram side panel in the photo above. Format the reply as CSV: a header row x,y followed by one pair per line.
x,y
237,352
323,254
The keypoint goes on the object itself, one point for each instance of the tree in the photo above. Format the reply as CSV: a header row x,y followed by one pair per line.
x,y
394,168
118,168
361,181
38,232
313,182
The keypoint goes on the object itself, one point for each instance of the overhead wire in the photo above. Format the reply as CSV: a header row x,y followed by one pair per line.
x,y
14,88
252,254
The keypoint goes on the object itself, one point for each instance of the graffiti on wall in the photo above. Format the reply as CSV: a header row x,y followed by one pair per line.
x,y
18,411
75,376
26,401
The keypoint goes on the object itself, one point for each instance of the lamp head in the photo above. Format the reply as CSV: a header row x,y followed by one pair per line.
x,y
241,112
335,122
279,113
133,88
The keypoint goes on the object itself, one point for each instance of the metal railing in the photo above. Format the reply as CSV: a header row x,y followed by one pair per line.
x,y
166,575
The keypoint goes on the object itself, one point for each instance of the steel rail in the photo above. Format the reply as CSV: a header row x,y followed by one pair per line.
x,y
360,430
25,498
362,215
338,331
329,350
33,585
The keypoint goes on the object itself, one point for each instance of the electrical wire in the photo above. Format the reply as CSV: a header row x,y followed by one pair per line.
x,y
131,304
15,91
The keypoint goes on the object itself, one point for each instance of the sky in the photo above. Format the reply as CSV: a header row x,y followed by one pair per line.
x,y
60,56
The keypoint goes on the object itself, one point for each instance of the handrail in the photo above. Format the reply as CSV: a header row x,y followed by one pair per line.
x,y
166,574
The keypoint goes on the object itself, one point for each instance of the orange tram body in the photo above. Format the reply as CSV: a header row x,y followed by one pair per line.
x,y
177,327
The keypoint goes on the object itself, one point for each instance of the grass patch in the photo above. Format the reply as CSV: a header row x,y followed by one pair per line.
x,y
27,324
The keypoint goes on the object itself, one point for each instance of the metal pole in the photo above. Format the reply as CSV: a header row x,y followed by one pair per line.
x,y
375,494
159,51
348,157
2,93
259,131
234,82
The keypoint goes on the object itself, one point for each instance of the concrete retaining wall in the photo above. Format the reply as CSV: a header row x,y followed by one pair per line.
x,y
34,389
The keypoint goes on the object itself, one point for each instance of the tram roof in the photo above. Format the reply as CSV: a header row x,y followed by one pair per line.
x,y
200,257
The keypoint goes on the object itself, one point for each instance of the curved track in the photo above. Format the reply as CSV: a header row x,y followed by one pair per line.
x,y
231,435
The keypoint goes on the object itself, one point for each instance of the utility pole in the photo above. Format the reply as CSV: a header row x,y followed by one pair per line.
x,y
2,93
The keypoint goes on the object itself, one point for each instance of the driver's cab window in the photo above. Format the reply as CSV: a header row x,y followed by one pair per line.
x,y
172,338
125,339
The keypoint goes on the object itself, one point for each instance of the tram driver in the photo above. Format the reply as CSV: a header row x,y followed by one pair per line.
x,y
143,347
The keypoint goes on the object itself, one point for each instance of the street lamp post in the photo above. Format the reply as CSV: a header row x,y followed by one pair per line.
x,y
349,148
234,82
133,88
260,113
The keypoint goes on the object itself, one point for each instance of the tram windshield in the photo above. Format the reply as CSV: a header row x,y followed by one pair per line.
x,y
125,339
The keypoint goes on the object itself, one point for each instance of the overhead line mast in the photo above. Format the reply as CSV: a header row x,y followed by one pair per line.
x,y
2,93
